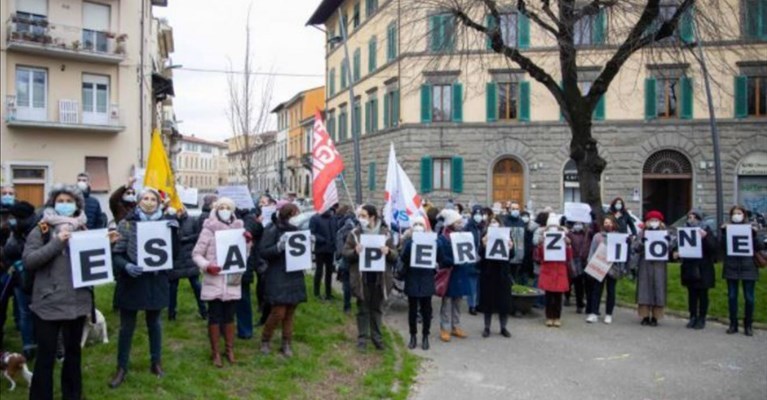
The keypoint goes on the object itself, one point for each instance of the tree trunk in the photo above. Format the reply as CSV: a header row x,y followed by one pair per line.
x,y
585,153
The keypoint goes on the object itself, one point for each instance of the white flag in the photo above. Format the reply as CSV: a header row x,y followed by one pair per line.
x,y
402,200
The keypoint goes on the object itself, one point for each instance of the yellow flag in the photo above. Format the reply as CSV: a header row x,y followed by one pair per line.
x,y
158,172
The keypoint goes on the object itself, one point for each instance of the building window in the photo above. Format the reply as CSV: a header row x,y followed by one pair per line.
x,y
356,15
441,32
31,94
669,94
684,31
590,29
95,99
372,57
95,27
751,95
508,96
572,191
344,75
599,110
441,103
667,97
30,14
356,118
371,115
332,82
343,124
98,169
509,28
391,41
356,65
755,19
441,173
391,109
371,6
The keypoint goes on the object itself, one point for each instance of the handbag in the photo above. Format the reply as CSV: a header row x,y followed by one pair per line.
x,y
442,280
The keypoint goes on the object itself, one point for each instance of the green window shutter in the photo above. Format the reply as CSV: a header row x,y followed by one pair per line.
x,y
372,55
395,108
491,98
457,174
344,75
386,111
741,97
599,28
457,97
391,42
426,174
435,25
340,124
448,42
367,117
524,101
426,103
686,27
356,71
561,111
490,24
687,97
372,176
374,111
599,111
332,81
650,104
523,31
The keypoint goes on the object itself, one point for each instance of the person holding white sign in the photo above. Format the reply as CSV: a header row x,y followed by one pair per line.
x,y
594,287
220,289
419,261
58,307
495,275
370,288
284,290
138,290
554,279
652,277
741,244
697,272
459,266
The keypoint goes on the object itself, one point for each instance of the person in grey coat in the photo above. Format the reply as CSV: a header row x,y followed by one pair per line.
x,y
58,308
652,276
739,269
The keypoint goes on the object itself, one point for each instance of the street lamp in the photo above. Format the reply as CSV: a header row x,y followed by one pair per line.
x,y
355,130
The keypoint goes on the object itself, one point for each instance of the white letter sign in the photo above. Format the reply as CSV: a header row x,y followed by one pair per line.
x,y
617,247
497,247
554,248
423,251
739,239
298,255
690,242
231,252
372,258
155,249
91,258
656,246
464,250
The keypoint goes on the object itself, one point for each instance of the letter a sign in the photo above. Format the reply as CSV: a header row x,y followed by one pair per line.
x,y
231,251
155,250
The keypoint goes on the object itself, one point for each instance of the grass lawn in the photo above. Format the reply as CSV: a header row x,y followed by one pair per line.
x,y
677,294
326,363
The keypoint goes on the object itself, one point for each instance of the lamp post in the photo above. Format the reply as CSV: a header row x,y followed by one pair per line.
x,y
355,129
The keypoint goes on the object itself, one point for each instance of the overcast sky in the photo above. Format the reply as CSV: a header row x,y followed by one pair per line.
x,y
207,36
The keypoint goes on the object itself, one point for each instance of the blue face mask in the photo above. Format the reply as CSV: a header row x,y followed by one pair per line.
x,y
515,213
7,199
12,222
66,209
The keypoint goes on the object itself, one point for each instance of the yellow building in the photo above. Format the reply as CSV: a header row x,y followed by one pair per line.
x,y
199,163
71,92
469,124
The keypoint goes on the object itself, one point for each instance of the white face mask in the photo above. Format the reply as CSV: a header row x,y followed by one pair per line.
x,y
654,224
618,206
129,198
225,215
737,218
418,228
82,185
364,223
495,224
477,218
295,221
525,219
578,227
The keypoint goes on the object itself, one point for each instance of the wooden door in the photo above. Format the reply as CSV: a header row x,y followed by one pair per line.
x,y
508,181
34,193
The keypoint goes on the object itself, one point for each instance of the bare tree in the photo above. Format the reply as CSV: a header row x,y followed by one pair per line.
x,y
248,114
635,28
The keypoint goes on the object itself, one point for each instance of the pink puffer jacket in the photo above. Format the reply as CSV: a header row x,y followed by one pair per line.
x,y
215,287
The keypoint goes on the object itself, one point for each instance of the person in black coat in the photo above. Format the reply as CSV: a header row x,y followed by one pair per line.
x,y
184,267
267,208
244,309
698,273
323,227
419,288
93,212
346,222
495,284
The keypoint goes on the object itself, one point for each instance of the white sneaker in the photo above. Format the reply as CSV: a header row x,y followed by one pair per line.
x,y
591,318
608,319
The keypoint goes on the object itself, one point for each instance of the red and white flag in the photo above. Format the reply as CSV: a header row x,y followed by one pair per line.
x,y
402,200
326,166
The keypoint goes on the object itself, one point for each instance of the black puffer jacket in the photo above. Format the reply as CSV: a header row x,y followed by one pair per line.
x,y
256,230
743,268
323,227
282,287
699,273
183,266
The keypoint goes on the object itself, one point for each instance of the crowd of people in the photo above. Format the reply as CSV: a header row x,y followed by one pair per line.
x,y
50,312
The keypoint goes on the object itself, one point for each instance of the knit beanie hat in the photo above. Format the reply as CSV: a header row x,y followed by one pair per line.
x,y
225,201
553,220
450,216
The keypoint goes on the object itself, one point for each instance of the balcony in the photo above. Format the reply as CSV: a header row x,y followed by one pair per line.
x,y
71,118
40,37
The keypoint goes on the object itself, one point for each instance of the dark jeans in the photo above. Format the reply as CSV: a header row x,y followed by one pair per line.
x,y
503,319
71,372
244,313
125,339
343,276
732,297
595,295
578,283
424,303
26,321
697,302
194,283
553,305
263,306
370,314
324,264
221,312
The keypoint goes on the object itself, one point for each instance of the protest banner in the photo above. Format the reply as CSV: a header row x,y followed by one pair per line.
x,y
578,212
231,251
239,194
155,248
91,258
298,251
497,247
598,266
423,253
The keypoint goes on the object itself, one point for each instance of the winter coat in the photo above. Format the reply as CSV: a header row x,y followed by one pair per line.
x,y
581,245
742,268
54,296
495,284
184,266
699,273
215,287
554,274
476,231
323,227
652,276
383,281
255,262
13,251
419,282
93,212
518,232
282,287
459,285
150,290
118,207
527,249
625,222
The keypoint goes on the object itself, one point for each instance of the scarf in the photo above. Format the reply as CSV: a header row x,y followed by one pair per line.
x,y
148,217
52,218
373,230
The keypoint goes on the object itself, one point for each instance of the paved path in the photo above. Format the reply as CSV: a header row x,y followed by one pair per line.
x,y
590,361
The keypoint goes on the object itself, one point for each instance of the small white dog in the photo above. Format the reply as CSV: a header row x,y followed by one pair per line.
x,y
95,332
13,364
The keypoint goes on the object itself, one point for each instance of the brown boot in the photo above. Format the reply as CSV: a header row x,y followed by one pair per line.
x,y
229,340
118,378
214,334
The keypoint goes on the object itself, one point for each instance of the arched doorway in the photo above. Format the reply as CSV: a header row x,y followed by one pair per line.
x,y
508,181
667,184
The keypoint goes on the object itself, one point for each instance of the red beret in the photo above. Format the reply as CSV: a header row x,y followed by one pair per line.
x,y
654,214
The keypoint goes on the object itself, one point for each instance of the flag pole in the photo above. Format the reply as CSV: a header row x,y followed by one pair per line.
x,y
346,188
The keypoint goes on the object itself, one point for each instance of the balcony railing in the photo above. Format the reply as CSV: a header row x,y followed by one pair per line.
x,y
71,116
37,35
